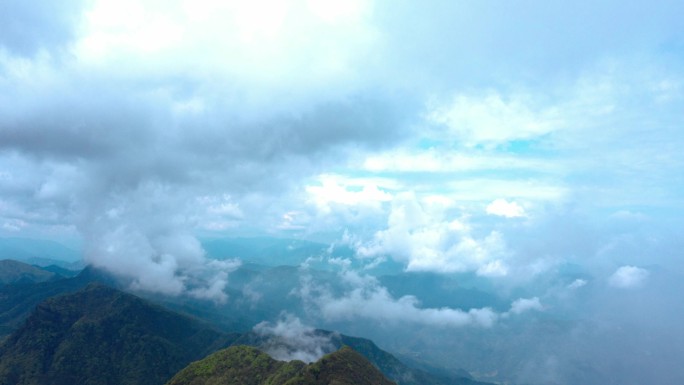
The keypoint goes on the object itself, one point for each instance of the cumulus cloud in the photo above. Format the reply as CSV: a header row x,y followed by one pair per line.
x,y
132,233
365,298
289,339
140,155
334,190
503,208
423,237
522,305
373,301
626,277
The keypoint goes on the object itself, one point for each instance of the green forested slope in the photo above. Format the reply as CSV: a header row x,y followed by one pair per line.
x,y
103,336
244,365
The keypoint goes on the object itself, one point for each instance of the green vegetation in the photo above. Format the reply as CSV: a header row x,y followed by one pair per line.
x,y
244,365
396,370
18,272
99,335
103,336
18,300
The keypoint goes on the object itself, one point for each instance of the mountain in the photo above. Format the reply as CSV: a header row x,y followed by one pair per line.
x,y
244,365
395,369
274,287
264,250
12,271
100,335
38,251
64,272
87,307
18,300
389,365
458,291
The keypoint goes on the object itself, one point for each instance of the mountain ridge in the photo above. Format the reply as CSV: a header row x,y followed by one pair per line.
x,y
17,272
16,301
245,365
103,336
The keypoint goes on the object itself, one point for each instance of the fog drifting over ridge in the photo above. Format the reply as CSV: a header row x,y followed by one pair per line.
x,y
536,146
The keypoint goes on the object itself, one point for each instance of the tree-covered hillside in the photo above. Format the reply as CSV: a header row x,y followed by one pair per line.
x,y
244,365
103,336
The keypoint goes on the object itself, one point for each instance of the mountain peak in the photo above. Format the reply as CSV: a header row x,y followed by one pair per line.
x,y
246,365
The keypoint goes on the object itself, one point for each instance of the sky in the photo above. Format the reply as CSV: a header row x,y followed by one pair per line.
x,y
499,138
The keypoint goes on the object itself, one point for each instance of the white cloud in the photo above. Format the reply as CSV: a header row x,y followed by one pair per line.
x,y
364,297
628,277
493,119
445,160
136,239
493,269
293,220
481,189
367,299
576,284
336,190
425,239
503,208
289,339
522,305
218,212
258,42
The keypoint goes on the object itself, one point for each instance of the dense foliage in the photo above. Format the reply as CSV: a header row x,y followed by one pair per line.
x,y
243,365
103,336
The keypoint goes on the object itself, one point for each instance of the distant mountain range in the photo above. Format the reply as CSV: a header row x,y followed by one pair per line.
x,y
39,252
268,251
12,271
71,331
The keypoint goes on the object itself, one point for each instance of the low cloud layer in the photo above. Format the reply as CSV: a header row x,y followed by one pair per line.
x,y
364,298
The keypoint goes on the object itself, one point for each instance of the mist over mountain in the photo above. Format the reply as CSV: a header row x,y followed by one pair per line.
x,y
104,336
521,339
416,316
